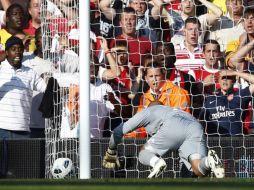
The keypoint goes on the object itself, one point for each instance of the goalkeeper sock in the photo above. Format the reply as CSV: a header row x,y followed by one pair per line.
x,y
148,158
203,166
111,152
154,160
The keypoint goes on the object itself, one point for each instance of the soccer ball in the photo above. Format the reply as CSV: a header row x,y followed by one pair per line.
x,y
62,168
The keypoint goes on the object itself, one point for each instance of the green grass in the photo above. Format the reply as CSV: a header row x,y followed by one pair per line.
x,y
129,184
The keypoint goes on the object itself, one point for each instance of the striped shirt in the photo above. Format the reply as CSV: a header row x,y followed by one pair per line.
x,y
16,92
186,60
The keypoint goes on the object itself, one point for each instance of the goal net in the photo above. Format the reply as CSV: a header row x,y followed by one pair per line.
x,y
60,46
60,22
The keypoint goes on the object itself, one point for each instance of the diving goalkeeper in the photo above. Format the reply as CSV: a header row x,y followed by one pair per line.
x,y
170,129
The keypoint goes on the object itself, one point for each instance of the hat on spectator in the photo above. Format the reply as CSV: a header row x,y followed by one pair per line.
x,y
13,40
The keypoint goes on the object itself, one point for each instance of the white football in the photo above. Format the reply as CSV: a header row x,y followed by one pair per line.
x,y
62,168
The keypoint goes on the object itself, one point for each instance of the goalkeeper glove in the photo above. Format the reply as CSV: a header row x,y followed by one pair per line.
x,y
111,160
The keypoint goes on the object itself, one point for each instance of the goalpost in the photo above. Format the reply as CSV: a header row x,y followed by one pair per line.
x,y
84,139
60,33
68,130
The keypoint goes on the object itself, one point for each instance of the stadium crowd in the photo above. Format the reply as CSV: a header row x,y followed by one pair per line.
x,y
195,55
25,80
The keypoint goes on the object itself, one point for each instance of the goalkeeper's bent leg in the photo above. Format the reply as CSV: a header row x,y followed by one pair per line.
x,y
150,159
147,158
199,165
203,166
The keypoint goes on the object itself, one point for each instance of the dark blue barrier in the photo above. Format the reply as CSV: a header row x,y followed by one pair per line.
x,y
26,158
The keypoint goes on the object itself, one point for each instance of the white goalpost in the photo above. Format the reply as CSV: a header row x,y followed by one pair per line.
x,y
84,139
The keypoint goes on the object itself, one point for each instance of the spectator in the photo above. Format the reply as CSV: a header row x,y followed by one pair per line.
x,y
188,9
103,101
17,85
240,51
34,21
63,26
138,46
69,8
221,4
162,90
147,17
64,54
106,20
174,5
5,5
225,111
42,68
127,77
242,60
159,89
229,27
52,9
207,75
100,107
113,71
189,53
119,76
140,85
122,83
15,20
165,54
26,41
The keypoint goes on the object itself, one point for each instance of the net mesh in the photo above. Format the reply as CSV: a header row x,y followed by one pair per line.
x,y
60,45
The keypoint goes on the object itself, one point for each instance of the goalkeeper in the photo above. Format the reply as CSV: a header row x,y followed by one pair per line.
x,y
170,129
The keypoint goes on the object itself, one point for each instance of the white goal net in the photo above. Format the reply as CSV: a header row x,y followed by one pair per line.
x,y
228,126
60,22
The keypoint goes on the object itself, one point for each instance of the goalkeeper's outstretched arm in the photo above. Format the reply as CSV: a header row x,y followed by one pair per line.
x,y
110,159
141,119
116,137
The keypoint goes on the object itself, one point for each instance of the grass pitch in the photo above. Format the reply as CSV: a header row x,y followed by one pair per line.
x,y
129,184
